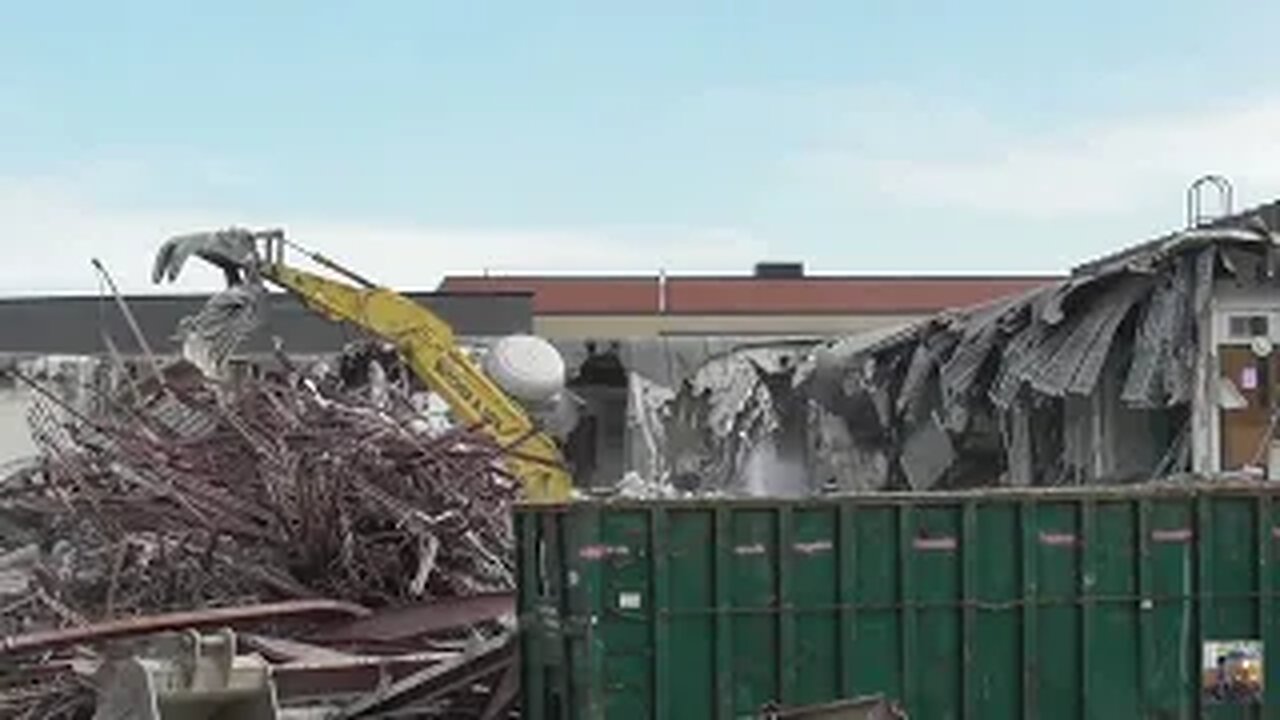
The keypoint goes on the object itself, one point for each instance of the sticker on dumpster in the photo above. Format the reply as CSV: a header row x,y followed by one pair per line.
x,y
941,543
629,601
811,548
599,552
1055,539
756,549
1231,672
1171,535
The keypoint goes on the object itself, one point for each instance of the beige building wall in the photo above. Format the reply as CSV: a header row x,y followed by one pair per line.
x,y
15,436
620,326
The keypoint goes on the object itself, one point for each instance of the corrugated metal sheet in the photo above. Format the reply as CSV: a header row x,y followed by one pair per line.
x,y
1057,345
1075,366
959,372
1144,386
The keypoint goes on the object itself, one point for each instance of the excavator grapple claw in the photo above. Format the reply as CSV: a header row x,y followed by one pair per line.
x,y
233,250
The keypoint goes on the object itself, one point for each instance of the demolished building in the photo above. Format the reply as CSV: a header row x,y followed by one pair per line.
x,y
1151,362
301,474
1154,361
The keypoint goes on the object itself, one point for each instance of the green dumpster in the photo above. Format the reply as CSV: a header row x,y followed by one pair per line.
x,y
1140,602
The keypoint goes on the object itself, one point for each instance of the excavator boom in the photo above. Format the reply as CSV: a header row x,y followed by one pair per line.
x,y
424,339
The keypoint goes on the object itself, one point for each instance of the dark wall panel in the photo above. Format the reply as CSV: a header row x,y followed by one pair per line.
x,y
73,325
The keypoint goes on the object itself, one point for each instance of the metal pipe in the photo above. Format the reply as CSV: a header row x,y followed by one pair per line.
x,y
131,321
216,617
324,261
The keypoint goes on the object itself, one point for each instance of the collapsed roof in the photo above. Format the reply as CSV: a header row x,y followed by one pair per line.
x,y
998,390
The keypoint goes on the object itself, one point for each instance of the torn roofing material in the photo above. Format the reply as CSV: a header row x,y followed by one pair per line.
x,y
1136,314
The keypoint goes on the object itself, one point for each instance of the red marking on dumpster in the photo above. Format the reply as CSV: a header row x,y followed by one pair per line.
x,y
942,544
599,552
1171,535
1058,539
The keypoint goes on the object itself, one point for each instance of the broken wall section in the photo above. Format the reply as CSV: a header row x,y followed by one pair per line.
x,y
697,415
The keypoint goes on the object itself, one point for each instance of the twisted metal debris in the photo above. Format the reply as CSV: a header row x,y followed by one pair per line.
x,y
273,486
1004,393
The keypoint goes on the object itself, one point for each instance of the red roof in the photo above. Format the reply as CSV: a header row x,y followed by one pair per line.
x,y
569,295
749,295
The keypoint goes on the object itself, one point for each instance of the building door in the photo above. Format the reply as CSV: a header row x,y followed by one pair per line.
x,y
1248,398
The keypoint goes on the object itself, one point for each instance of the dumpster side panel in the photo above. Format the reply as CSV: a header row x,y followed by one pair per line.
x,y
812,588
1110,614
994,686
875,656
1032,605
1227,563
1170,650
623,637
931,602
1053,612
544,611
688,665
1269,566
753,600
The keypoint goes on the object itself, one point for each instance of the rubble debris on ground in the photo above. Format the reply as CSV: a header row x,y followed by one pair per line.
x,y
282,484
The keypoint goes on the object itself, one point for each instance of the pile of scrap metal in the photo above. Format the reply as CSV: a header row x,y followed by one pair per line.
x,y
1086,380
297,659
326,494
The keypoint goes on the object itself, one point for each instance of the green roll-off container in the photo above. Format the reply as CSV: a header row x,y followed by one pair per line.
x,y
1151,602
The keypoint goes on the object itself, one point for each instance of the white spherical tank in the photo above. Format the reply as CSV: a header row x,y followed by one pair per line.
x,y
527,367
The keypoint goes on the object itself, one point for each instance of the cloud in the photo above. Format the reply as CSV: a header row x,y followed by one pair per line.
x,y
1104,168
53,225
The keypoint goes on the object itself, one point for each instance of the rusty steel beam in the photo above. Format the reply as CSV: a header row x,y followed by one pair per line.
x,y
437,682
414,621
309,680
147,624
504,694
284,650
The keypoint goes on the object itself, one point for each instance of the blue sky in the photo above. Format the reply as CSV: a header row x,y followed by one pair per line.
x,y
417,138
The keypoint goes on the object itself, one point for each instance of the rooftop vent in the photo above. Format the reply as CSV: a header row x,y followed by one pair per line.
x,y
779,270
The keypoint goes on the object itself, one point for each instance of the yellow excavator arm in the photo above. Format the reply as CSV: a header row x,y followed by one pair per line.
x,y
428,345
